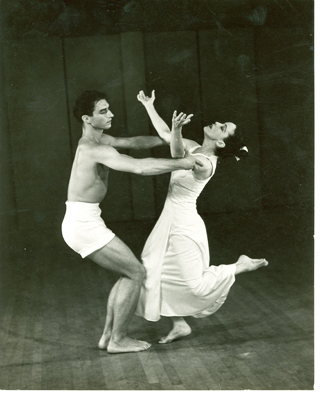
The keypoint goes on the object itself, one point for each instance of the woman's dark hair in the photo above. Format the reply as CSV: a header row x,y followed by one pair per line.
x,y
234,146
85,103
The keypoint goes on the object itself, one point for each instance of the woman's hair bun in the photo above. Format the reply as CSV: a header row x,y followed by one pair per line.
x,y
242,153
234,146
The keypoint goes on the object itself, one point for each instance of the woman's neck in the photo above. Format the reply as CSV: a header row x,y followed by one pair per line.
x,y
208,147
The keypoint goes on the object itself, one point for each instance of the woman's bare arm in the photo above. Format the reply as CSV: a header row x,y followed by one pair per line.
x,y
159,124
177,146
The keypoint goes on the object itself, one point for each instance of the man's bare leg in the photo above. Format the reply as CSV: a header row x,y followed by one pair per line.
x,y
128,296
180,329
116,256
105,338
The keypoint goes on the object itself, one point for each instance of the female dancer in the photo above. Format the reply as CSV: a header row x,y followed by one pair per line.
x,y
179,281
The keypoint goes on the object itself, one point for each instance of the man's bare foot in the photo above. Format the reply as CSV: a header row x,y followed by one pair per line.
x,y
245,264
104,340
127,345
180,329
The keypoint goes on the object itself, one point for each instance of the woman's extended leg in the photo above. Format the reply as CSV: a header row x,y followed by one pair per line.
x,y
180,326
246,264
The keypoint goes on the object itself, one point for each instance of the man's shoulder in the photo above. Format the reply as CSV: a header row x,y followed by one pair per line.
x,y
86,145
93,151
106,139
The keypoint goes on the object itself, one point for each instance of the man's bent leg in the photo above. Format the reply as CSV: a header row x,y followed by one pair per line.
x,y
116,256
105,338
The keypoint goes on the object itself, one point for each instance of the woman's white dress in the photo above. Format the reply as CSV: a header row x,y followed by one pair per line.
x,y
179,280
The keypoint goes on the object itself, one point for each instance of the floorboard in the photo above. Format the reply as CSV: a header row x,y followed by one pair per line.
x,y
53,307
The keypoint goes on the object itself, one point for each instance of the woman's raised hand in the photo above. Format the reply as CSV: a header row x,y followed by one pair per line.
x,y
145,100
180,120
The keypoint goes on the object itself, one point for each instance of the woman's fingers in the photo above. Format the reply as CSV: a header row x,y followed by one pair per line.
x,y
141,96
182,118
186,119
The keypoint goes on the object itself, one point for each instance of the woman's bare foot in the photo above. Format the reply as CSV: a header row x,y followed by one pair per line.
x,y
180,329
127,345
245,264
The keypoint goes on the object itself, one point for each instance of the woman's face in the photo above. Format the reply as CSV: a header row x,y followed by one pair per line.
x,y
220,131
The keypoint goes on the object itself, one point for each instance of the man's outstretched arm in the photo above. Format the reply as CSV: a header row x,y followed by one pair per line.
x,y
138,142
149,166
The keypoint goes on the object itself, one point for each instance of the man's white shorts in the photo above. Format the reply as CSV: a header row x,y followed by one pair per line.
x,y
83,228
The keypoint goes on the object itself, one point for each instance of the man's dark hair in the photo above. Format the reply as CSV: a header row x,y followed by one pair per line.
x,y
86,102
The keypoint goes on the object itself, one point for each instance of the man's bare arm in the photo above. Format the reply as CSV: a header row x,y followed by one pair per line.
x,y
138,142
204,170
149,166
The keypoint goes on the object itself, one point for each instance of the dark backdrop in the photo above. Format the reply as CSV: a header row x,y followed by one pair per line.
x,y
249,62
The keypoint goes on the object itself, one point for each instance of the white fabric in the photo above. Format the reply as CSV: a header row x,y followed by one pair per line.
x,y
179,280
83,228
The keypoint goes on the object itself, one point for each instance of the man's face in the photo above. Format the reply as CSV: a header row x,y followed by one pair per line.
x,y
102,116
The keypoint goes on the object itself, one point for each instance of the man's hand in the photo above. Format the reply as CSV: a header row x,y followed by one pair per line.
x,y
191,162
198,164
146,100
180,120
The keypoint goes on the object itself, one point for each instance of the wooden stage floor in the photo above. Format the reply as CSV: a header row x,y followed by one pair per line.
x,y
53,311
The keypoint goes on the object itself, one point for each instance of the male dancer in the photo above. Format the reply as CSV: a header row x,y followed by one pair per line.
x,y
84,230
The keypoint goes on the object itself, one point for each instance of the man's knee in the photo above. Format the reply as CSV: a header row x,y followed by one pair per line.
x,y
139,272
